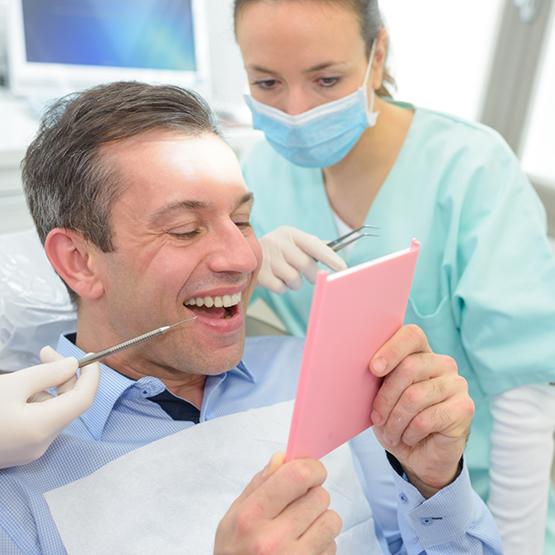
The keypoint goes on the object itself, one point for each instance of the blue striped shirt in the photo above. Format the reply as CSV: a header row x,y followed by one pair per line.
x,y
123,419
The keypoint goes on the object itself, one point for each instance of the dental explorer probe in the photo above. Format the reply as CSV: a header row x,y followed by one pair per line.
x,y
93,357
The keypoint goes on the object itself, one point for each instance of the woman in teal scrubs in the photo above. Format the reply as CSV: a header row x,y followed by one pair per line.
x,y
339,153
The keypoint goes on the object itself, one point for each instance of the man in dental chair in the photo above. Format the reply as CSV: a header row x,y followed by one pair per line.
x,y
144,214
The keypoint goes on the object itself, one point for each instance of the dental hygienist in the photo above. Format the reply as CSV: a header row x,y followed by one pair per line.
x,y
30,417
339,152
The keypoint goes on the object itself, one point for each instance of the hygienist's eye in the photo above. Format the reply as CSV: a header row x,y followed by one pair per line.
x,y
265,84
243,225
328,81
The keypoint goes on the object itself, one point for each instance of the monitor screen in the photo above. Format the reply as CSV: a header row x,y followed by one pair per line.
x,y
58,46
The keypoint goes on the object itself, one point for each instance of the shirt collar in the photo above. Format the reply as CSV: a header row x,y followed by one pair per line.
x,y
242,369
113,385
111,388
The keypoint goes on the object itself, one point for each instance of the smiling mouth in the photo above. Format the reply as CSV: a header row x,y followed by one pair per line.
x,y
215,307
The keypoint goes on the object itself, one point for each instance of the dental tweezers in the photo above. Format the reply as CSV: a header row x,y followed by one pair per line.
x,y
339,243
93,357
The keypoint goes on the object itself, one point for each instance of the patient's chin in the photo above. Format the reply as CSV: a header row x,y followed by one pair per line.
x,y
217,360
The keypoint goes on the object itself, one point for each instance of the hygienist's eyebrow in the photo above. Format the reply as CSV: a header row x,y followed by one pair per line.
x,y
317,67
323,65
260,69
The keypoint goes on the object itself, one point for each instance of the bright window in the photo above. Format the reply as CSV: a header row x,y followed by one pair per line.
x,y
441,51
538,147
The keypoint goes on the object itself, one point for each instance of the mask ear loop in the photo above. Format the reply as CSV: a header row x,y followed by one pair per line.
x,y
365,84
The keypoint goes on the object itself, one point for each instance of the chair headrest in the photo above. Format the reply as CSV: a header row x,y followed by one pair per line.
x,y
34,304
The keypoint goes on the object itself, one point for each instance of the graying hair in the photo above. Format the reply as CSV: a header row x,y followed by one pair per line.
x,y
68,183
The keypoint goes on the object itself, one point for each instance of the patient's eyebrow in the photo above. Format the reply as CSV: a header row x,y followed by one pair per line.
x,y
247,197
179,206
197,205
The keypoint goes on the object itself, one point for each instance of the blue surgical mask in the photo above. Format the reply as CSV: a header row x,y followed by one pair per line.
x,y
320,137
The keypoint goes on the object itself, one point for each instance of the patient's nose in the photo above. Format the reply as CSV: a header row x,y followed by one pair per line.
x,y
233,252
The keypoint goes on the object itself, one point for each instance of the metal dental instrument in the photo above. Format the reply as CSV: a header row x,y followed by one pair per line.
x,y
93,357
338,243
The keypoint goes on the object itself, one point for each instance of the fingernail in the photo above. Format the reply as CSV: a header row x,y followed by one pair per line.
x,y
275,462
379,365
388,440
376,418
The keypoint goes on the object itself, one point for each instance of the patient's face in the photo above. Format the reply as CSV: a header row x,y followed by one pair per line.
x,y
182,233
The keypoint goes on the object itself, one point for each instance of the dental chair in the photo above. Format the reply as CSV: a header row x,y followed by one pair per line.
x,y
35,307
34,304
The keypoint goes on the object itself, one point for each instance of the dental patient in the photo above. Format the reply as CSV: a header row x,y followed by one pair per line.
x,y
144,214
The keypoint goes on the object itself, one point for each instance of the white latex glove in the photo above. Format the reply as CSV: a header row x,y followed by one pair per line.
x,y
520,471
288,254
30,417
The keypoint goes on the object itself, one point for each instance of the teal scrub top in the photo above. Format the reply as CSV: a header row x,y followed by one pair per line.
x,y
484,285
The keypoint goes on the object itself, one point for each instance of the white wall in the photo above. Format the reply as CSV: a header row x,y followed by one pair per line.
x,y
229,80
538,145
441,51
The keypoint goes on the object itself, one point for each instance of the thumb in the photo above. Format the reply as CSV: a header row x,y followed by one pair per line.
x,y
276,462
75,400
44,376
48,354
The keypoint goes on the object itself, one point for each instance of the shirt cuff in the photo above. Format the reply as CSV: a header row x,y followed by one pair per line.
x,y
444,517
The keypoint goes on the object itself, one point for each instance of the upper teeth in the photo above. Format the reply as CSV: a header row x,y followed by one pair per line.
x,y
226,300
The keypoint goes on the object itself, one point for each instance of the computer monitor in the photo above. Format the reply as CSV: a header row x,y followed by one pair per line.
x,y
59,46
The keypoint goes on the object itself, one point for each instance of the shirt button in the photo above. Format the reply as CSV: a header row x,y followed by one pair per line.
x,y
403,498
426,521
145,392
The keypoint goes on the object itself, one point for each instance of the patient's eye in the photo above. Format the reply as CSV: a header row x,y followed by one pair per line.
x,y
184,234
244,226
242,219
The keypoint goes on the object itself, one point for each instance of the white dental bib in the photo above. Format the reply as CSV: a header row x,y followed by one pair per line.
x,y
169,496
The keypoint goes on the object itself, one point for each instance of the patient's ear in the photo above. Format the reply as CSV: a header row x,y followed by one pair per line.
x,y
74,260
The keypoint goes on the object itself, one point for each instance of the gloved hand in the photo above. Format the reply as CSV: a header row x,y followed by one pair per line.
x,y
288,254
30,417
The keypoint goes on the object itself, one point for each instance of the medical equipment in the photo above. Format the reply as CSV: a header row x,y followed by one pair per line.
x,y
337,244
53,51
93,357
